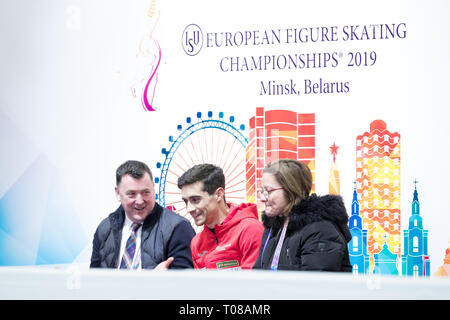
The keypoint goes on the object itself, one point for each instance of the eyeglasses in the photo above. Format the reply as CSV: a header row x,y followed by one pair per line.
x,y
266,193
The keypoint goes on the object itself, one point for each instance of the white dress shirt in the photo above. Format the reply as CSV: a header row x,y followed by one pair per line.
x,y
126,232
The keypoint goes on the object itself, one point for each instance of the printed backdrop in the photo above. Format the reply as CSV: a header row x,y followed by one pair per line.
x,y
357,90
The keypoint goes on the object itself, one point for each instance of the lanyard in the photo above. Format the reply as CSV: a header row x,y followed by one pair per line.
x,y
276,255
265,245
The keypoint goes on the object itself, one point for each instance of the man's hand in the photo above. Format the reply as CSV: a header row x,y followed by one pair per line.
x,y
164,265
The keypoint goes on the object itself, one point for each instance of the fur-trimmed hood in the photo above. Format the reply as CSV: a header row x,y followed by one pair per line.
x,y
313,209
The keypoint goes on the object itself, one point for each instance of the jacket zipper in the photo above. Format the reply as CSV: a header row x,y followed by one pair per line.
x,y
214,233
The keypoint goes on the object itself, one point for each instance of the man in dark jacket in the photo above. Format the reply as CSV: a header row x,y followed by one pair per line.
x,y
141,234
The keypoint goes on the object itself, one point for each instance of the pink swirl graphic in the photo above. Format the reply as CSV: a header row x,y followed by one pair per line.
x,y
148,105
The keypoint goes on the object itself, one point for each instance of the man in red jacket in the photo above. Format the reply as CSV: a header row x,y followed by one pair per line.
x,y
232,233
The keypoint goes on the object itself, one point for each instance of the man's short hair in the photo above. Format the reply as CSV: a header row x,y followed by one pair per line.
x,y
211,176
134,168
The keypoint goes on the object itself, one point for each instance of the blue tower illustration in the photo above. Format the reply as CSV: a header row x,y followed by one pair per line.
x,y
415,260
385,260
357,247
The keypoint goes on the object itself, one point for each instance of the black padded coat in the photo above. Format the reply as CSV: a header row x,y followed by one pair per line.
x,y
316,237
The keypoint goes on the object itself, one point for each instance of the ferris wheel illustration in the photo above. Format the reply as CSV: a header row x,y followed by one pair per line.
x,y
203,140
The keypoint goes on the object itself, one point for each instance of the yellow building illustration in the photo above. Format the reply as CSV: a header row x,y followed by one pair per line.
x,y
334,186
378,185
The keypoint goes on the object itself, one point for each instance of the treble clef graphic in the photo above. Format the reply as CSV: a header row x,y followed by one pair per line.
x,y
148,105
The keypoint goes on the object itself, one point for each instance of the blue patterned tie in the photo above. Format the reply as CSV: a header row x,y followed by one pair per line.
x,y
130,248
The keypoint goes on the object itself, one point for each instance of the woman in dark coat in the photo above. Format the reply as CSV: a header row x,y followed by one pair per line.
x,y
302,231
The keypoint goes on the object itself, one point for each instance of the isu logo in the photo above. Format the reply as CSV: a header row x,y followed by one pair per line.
x,y
192,39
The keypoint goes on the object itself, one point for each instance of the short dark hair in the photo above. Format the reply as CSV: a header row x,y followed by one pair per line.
x,y
134,168
211,176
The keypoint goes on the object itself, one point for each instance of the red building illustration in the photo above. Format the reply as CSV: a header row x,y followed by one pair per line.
x,y
277,134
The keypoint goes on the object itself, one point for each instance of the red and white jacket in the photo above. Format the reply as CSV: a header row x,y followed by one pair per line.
x,y
234,243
